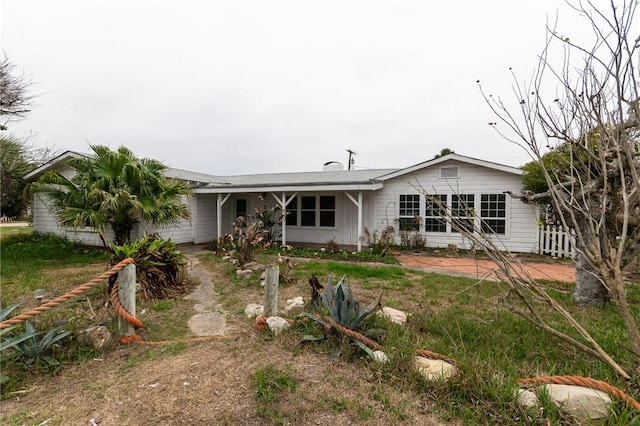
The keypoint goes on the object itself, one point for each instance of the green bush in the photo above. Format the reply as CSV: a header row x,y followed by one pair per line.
x,y
159,265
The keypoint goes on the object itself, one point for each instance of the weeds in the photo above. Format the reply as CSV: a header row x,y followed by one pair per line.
x,y
378,245
271,383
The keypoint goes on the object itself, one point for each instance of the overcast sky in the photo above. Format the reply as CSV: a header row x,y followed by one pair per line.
x,y
235,87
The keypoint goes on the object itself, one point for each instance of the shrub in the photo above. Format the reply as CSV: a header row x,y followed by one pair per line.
x,y
246,241
379,244
159,265
332,247
270,221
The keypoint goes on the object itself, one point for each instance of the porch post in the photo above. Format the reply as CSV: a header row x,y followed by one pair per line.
x,y
358,204
283,205
359,220
220,202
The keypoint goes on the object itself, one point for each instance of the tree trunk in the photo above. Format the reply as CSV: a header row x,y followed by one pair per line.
x,y
589,288
122,233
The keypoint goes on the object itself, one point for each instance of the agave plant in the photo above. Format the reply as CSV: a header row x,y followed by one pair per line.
x,y
8,337
339,303
34,350
343,306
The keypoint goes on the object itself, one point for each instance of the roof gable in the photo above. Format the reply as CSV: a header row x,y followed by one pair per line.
x,y
53,164
456,157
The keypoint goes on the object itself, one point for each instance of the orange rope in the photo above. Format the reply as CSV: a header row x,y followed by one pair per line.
x,y
261,322
585,382
432,355
115,301
344,330
57,301
130,338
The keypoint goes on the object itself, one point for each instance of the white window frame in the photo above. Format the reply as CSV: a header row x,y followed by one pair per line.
x,y
408,216
504,218
316,210
443,208
465,208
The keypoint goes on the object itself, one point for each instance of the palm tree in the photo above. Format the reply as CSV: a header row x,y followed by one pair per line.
x,y
116,190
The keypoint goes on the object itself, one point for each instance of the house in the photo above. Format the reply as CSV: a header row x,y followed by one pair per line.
x,y
336,204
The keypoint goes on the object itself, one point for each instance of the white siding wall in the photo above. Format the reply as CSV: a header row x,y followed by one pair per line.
x,y
521,218
204,218
45,222
182,232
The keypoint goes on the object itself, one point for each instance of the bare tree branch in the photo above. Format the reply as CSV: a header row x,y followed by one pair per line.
x,y
15,102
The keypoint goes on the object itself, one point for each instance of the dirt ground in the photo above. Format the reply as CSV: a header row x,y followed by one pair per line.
x,y
478,268
207,384
210,382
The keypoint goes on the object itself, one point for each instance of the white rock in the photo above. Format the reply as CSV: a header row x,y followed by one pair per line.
x,y
380,357
526,399
294,305
277,325
254,266
434,369
394,315
582,403
253,310
244,274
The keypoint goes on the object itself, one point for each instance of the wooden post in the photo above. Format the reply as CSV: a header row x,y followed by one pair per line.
x,y
127,296
272,278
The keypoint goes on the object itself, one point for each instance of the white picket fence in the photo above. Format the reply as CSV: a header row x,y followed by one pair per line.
x,y
556,241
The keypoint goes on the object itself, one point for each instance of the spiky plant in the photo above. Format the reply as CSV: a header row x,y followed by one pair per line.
x,y
339,306
342,305
38,351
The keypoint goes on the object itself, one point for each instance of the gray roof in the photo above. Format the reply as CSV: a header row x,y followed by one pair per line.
x,y
371,179
301,181
307,178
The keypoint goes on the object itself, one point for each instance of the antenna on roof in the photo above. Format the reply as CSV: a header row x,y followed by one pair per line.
x,y
352,159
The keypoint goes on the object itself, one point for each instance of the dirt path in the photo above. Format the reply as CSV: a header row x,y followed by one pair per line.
x,y
210,318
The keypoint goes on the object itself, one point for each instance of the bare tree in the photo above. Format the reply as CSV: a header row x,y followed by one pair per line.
x,y
15,102
584,102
